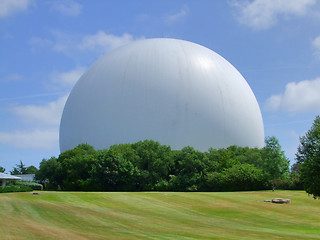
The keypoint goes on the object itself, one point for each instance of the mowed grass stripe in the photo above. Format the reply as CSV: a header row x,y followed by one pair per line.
x,y
158,215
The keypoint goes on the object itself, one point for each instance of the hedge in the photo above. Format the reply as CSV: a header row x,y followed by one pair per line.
x,y
33,185
15,188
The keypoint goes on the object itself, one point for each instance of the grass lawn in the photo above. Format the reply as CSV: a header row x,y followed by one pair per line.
x,y
158,215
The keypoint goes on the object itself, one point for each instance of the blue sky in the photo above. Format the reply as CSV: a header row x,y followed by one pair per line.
x,y
46,45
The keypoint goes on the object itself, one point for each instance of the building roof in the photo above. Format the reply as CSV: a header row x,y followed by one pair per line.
x,y
8,177
25,177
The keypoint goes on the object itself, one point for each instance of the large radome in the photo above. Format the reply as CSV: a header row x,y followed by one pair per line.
x,y
172,91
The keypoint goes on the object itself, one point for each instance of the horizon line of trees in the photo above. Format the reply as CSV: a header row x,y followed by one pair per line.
x,y
149,166
20,169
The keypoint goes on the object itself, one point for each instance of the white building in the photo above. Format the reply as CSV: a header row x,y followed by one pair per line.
x,y
26,177
171,91
6,177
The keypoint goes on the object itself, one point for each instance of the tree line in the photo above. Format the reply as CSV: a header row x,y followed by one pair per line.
x,y
149,166
20,169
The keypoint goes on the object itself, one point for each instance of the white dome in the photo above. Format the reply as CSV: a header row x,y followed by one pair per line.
x,y
172,91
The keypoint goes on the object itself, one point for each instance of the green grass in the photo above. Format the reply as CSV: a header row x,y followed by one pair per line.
x,y
158,215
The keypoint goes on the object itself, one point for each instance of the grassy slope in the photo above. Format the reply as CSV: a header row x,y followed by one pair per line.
x,y
156,215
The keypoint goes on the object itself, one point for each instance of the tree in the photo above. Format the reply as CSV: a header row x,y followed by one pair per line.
x,y
23,169
20,169
190,169
2,170
154,162
275,163
295,175
70,171
47,172
223,157
244,177
111,172
73,167
308,157
31,170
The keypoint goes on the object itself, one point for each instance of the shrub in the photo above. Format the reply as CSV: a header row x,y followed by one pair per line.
x,y
215,181
244,177
239,177
163,185
33,185
15,188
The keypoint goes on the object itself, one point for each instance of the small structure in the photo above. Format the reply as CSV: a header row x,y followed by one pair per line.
x,y
26,177
6,177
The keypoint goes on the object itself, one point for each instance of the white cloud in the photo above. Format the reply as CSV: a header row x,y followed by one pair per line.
x,y
73,45
13,77
42,121
63,42
67,7
46,115
67,79
32,96
104,42
178,16
316,45
262,14
9,7
298,97
36,139
43,126
43,42
316,42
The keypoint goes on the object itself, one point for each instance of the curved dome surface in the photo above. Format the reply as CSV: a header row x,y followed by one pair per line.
x,y
172,91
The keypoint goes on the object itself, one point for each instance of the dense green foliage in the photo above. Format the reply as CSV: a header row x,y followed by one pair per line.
x,y
23,169
308,159
149,166
15,188
275,162
2,169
